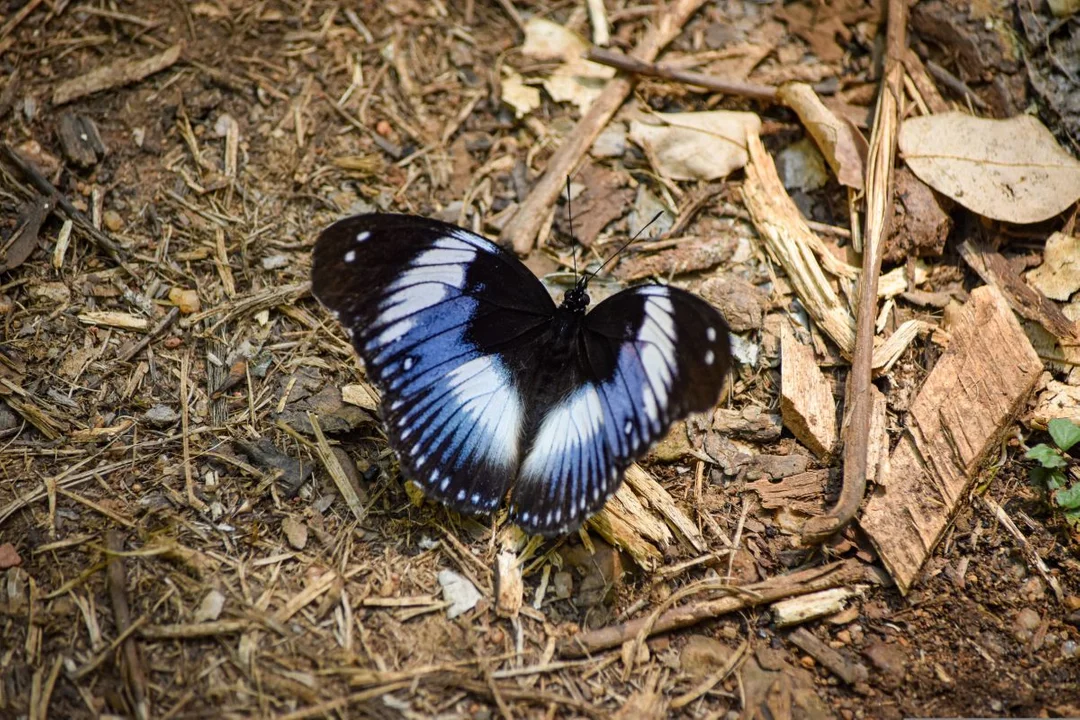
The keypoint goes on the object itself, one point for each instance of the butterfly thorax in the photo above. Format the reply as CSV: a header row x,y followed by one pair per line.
x,y
576,299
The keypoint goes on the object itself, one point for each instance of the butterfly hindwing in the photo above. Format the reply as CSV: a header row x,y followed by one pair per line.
x,y
649,356
439,315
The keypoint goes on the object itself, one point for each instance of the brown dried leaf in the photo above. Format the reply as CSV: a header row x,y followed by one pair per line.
x,y
840,142
1011,170
696,146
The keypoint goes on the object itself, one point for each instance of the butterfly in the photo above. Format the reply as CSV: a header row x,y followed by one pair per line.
x,y
489,387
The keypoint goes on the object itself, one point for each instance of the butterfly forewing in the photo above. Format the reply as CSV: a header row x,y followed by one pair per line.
x,y
649,355
441,317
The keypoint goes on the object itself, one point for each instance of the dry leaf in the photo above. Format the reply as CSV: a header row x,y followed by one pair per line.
x,y
576,80
1059,275
842,145
515,93
1011,170
696,146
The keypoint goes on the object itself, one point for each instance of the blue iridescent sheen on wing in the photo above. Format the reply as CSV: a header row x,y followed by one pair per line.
x,y
489,388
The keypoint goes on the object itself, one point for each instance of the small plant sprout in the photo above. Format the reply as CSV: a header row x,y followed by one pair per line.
x,y
1053,472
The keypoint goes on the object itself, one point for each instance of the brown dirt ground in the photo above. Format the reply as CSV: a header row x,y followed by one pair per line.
x,y
347,620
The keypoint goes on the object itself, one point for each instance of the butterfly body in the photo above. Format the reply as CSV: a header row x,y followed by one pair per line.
x,y
489,386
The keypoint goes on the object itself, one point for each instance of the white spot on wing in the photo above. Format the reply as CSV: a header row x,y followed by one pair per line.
x,y
711,334
362,236
710,357
350,257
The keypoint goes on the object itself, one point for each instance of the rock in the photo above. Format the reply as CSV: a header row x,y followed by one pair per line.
x,y
611,142
161,415
562,584
459,592
742,303
750,423
703,655
112,221
210,607
890,660
776,467
1025,624
186,300
9,556
296,532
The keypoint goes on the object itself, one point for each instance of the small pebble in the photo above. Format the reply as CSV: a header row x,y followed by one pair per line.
x,y
113,221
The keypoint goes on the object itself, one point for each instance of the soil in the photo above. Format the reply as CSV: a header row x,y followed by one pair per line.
x,y
174,488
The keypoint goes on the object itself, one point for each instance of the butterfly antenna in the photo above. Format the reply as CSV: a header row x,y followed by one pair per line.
x,y
570,218
625,245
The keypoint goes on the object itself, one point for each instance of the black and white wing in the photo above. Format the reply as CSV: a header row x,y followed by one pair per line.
x,y
437,313
650,355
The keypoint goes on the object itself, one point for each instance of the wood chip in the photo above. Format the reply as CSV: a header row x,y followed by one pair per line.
x,y
969,399
112,318
806,398
797,610
1028,302
115,75
850,671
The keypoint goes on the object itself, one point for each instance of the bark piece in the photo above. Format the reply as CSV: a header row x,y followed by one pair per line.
x,y
115,75
80,140
1028,302
973,393
806,399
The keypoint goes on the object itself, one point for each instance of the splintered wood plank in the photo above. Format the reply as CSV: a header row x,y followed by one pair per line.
x,y
806,399
970,397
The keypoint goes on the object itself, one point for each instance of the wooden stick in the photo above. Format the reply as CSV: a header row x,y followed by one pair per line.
x,y
689,77
132,668
776,588
522,229
118,74
859,401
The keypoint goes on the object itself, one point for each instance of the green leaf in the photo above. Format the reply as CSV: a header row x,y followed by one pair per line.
x,y
1046,456
1065,432
1073,516
1068,498
1055,479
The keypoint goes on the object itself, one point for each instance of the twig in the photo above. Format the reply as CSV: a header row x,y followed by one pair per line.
x,y
522,229
1025,545
859,401
131,350
46,188
18,17
776,588
133,668
630,64
116,75
189,480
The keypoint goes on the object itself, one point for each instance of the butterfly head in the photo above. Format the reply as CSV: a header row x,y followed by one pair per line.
x,y
576,299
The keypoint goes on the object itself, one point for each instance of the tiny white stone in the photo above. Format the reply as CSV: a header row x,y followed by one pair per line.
x,y
709,357
350,257
361,237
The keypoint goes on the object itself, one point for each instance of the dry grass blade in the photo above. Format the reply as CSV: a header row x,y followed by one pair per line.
x,y
333,466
